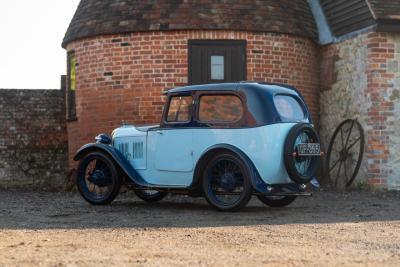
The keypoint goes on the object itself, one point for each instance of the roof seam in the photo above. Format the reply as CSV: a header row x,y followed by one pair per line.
x,y
371,10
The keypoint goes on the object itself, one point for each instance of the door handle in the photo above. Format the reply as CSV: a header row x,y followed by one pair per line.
x,y
159,132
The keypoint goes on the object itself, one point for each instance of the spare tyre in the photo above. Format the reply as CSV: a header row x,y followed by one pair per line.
x,y
302,155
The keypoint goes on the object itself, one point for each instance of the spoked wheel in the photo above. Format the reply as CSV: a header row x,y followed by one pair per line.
x,y
345,154
226,182
150,195
276,201
302,165
98,179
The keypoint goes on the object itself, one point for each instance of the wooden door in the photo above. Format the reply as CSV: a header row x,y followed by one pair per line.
x,y
217,61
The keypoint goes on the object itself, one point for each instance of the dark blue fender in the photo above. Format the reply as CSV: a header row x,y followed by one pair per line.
x,y
258,184
118,158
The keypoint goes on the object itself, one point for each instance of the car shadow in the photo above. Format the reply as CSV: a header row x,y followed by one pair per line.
x,y
36,211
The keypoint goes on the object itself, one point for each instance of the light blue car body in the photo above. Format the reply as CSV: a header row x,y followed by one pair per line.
x,y
168,157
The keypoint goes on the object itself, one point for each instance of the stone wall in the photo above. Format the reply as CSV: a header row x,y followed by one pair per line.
x,y
33,139
122,77
360,79
343,85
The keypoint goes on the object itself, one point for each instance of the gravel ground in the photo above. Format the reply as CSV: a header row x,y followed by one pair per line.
x,y
329,229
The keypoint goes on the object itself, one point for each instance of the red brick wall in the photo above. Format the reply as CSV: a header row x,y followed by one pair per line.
x,y
381,109
121,77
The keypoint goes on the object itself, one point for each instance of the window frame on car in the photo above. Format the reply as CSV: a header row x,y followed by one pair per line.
x,y
168,124
224,124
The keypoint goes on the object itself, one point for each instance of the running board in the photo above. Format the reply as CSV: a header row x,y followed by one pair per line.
x,y
287,190
300,194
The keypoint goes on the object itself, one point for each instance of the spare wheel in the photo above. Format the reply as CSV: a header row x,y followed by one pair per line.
x,y
302,153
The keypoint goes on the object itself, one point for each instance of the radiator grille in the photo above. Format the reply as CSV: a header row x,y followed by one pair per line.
x,y
123,148
137,150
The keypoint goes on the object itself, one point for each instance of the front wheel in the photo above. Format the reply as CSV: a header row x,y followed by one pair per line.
x,y
226,182
98,179
275,201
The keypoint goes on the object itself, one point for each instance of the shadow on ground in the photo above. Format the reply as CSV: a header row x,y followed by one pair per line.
x,y
35,211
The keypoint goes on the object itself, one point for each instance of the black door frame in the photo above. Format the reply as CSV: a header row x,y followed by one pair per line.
x,y
216,42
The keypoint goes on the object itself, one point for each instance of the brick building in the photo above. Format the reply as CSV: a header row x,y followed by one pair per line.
x,y
342,55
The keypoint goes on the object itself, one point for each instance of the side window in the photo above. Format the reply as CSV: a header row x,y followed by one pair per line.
x,y
220,108
71,86
179,109
289,108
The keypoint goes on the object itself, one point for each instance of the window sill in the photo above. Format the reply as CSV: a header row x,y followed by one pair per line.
x,y
72,119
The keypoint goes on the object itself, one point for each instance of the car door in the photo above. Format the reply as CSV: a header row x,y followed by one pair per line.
x,y
174,139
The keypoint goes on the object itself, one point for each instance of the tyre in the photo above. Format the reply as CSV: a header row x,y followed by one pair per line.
x,y
226,182
98,179
273,201
150,195
301,169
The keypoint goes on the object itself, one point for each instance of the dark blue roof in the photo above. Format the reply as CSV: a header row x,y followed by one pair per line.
x,y
265,87
258,97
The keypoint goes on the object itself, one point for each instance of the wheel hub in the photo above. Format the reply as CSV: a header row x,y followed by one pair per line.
x,y
228,182
344,154
99,178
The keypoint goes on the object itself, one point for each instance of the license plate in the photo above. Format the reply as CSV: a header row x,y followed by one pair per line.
x,y
309,149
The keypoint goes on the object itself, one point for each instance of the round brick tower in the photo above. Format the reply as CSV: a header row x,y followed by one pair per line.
x,y
122,54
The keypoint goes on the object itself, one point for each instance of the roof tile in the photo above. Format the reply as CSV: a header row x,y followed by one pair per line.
x,y
94,17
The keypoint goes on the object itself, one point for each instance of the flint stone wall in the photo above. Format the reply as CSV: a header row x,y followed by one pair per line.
x,y
394,96
33,139
343,83
360,78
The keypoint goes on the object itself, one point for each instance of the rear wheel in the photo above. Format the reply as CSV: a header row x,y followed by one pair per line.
x,y
150,195
98,179
226,182
276,201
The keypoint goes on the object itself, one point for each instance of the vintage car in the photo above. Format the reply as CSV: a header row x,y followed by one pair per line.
x,y
225,142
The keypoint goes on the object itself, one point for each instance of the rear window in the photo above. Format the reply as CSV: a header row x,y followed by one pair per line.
x,y
220,108
289,108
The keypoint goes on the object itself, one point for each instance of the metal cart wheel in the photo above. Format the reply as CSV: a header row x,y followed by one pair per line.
x,y
345,153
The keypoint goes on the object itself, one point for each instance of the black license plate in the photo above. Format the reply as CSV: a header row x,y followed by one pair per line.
x,y
309,149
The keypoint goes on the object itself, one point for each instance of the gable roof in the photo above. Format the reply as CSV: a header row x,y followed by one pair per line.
x,y
94,17
347,16
386,13
385,9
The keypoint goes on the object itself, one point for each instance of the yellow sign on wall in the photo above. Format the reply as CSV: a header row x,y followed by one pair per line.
x,y
72,75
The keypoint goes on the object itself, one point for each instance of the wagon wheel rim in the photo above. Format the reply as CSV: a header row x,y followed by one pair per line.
x,y
226,181
345,154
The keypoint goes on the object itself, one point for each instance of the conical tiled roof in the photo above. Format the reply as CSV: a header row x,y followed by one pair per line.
x,y
95,17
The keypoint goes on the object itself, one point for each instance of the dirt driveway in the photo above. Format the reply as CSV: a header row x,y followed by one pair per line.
x,y
330,229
